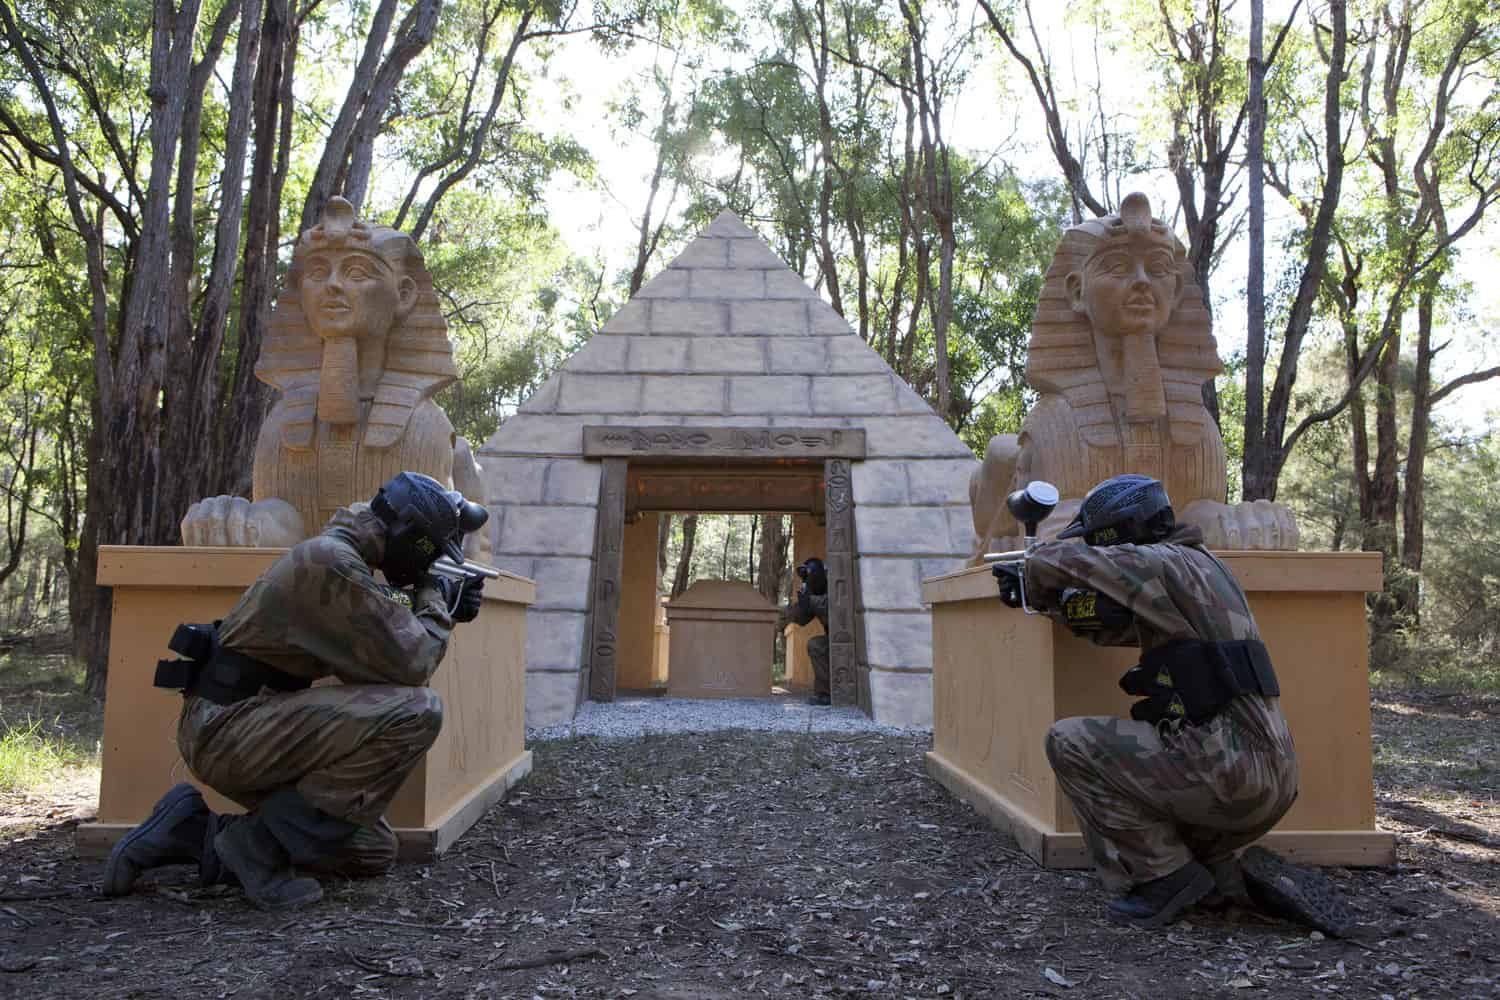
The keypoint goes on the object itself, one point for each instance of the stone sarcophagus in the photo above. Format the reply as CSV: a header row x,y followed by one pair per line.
x,y
722,641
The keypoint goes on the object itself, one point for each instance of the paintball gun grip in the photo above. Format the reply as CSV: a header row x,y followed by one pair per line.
x,y
1011,577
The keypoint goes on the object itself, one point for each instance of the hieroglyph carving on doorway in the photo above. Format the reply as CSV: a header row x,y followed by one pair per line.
x,y
723,442
607,573
841,595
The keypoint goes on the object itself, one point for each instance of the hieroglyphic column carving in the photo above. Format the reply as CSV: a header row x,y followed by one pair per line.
x,y
838,485
608,571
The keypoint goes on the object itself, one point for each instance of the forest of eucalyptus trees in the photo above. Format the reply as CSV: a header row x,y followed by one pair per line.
x,y
1330,166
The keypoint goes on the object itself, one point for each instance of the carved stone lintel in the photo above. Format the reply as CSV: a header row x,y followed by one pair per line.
x,y
707,487
608,570
670,442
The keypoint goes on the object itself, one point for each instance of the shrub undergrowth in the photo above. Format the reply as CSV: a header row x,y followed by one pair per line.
x,y
31,754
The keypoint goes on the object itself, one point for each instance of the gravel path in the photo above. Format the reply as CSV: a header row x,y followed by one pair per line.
x,y
639,716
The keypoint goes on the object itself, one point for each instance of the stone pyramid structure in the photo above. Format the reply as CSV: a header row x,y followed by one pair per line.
x,y
729,336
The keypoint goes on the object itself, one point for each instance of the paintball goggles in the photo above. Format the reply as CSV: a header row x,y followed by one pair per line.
x,y
471,517
1030,505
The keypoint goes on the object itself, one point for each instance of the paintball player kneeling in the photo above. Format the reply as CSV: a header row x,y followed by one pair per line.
x,y
314,766
1205,765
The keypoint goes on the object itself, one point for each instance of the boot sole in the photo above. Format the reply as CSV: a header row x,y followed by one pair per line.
x,y
1296,894
1202,885
175,806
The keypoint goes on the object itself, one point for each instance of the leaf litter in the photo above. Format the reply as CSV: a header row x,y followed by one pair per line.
x,y
748,864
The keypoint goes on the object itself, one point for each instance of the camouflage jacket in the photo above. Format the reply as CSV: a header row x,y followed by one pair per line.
x,y
800,613
319,611
1175,589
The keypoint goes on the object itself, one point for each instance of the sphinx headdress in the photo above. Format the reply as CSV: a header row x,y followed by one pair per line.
x,y
418,358
1060,357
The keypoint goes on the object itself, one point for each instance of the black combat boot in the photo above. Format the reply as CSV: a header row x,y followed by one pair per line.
x,y
1158,902
260,849
1229,886
251,853
308,833
211,870
172,835
1297,894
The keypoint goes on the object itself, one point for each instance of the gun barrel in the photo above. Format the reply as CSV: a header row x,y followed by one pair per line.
x,y
447,567
1010,556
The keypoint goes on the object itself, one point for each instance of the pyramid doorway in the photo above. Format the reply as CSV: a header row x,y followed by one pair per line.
x,y
723,369
646,471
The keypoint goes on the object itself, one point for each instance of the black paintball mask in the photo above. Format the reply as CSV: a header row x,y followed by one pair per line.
x,y
1127,509
423,521
814,575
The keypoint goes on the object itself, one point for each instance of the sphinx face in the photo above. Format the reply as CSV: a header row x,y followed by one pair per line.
x,y
352,293
1129,286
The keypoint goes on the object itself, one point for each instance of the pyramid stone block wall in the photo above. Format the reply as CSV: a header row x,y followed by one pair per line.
x,y
727,335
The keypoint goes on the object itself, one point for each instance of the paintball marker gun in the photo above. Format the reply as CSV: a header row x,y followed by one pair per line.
x,y
471,517
443,566
1030,505
463,580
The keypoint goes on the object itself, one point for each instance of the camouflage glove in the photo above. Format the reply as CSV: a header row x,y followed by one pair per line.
x,y
1008,575
462,597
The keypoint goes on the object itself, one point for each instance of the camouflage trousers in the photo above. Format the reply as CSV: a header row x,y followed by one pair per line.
x,y
345,747
1149,799
817,655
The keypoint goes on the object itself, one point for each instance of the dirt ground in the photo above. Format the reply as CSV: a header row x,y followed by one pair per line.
x,y
738,864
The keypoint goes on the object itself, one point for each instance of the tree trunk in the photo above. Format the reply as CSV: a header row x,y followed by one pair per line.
x,y
772,558
1385,499
1408,592
249,398
340,133
131,457
411,38
90,604
684,572
1266,441
1359,432
750,548
648,236
1057,135
192,384
937,197
724,554
663,539
818,51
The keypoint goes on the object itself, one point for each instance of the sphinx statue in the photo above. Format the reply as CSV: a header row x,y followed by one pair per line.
x,y
1120,349
358,347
